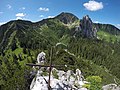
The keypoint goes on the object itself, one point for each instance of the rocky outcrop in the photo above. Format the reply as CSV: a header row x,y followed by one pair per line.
x,y
87,28
64,81
111,87
59,80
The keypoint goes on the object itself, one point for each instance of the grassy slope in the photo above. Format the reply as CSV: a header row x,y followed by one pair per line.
x,y
107,37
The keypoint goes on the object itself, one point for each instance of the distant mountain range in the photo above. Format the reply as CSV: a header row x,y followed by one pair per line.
x,y
94,48
77,27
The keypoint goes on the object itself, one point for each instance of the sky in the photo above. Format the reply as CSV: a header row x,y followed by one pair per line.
x,y
100,11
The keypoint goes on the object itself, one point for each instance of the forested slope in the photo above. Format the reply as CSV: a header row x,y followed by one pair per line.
x,y
77,43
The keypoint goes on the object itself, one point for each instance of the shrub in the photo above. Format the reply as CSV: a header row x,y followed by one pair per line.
x,y
95,82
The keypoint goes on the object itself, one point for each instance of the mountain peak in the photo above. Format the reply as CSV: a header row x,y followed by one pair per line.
x,y
67,18
88,28
19,24
86,17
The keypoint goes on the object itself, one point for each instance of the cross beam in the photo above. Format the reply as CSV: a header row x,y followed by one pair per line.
x,y
39,65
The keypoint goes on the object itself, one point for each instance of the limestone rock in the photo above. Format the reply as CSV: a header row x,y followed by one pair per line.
x,y
65,81
87,27
111,87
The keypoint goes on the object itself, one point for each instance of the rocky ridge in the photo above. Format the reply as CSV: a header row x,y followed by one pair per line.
x,y
60,80
64,81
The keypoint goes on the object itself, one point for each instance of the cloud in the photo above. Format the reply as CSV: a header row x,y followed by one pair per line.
x,y
1,23
96,21
118,25
20,15
23,8
18,18
43,9
9,6
50,16
93,5
41,16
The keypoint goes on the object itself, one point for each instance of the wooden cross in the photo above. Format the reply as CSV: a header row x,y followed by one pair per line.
x,y
50,69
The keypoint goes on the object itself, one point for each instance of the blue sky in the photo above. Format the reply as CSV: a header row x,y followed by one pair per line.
x,y
103,11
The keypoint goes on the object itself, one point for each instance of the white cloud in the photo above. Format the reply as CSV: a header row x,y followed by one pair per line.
x,y
18,18
50,16
118,25
41,16
20,15
96,21
9,6
93,5
1,23
23,8
43,9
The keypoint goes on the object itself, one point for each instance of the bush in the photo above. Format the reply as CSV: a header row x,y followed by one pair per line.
x,y
95,82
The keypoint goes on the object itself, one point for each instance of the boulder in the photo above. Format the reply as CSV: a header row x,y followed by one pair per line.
x,y
111,87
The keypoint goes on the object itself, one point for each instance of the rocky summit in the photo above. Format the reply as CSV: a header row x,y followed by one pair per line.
x,y
60,80
57,79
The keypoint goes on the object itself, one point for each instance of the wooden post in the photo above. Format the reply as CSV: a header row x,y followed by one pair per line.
x,y
50,69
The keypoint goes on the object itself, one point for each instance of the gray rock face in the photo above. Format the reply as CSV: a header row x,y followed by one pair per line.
x,y
65,81
87,28
59,80
111,87
41,58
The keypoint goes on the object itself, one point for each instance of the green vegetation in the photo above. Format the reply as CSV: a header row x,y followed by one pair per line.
x,y
95,83
21,41
108,37
44,74
55,74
